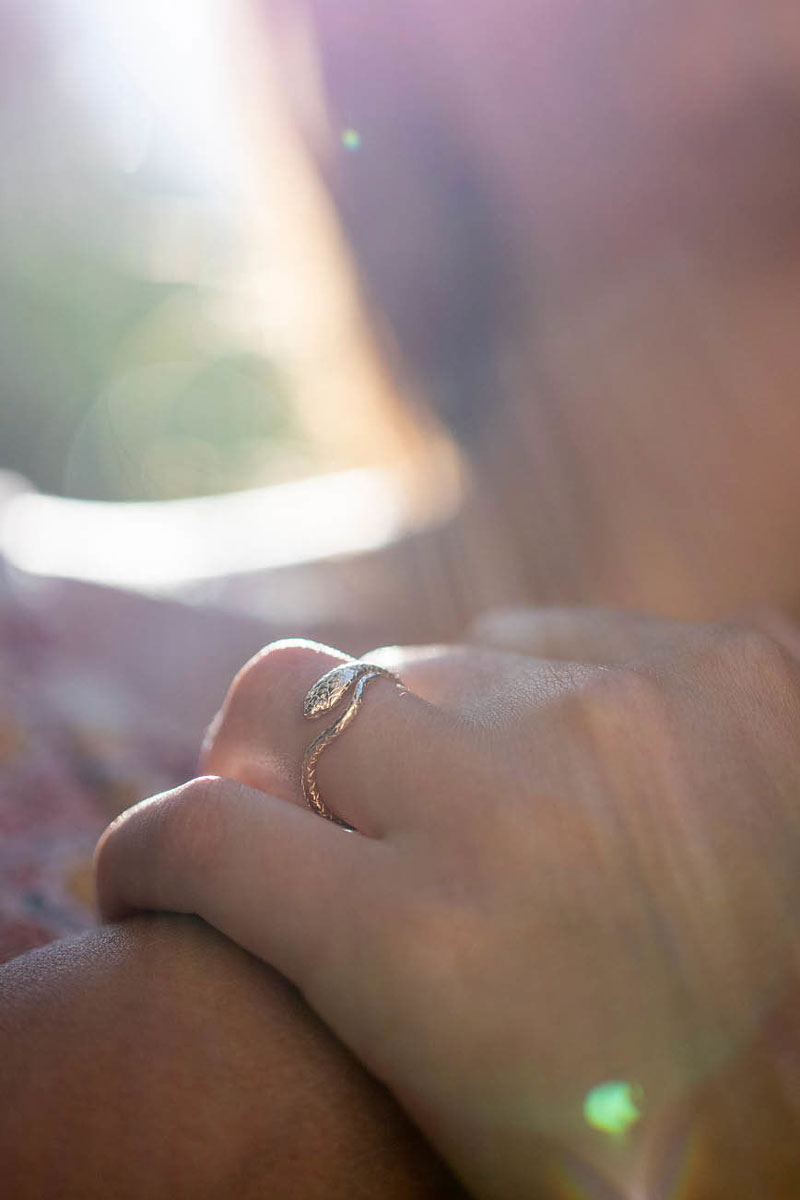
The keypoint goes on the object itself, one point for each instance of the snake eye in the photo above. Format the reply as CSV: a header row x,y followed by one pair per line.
x,y
329,690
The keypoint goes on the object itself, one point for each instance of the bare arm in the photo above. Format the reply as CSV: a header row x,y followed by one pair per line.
x,y
156,1059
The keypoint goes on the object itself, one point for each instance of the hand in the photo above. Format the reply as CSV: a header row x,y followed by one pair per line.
x,y
566,873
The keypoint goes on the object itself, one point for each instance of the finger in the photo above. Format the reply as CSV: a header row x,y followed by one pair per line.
x,y
775,624
464,680
438,674
367,776
259,734
481,689
265,873
593,635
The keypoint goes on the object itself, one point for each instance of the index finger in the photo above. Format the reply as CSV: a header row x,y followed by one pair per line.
x,y
265,873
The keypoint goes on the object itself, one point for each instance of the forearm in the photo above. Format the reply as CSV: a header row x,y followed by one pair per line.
x,y
156,1059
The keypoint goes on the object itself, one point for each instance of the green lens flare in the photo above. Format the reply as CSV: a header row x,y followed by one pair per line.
x,y
613,1107
351,139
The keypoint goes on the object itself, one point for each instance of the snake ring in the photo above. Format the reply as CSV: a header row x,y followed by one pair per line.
x,y
324,696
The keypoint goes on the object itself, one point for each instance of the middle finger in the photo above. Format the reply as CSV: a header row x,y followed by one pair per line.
x,y
368,776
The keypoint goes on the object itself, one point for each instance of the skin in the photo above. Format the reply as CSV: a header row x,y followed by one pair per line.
x,y
140,1089
535,902
675,283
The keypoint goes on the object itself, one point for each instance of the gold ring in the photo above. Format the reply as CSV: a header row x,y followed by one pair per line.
x,y
326,693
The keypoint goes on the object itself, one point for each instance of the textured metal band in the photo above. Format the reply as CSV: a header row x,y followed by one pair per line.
x,y
324,696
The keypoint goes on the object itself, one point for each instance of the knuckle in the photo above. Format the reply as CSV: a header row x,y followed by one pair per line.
x,y
158,855
263,681
269,669
618,700
191,825
274,671
625,690
755,656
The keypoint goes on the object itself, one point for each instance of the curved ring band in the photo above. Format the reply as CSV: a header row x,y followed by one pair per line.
x,y
325,695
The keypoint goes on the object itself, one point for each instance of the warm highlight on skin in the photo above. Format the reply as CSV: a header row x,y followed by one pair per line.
x,y
612,809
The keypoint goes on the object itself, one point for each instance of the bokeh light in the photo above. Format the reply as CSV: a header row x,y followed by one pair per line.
x,y
351,139
613,1107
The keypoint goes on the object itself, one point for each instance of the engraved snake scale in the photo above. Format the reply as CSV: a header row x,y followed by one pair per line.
x,y
324,696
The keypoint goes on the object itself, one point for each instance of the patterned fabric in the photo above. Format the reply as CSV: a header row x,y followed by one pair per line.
x,y
77,746
104,696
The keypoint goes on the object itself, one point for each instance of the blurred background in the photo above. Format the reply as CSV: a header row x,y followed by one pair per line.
x,y
164,330
504,279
